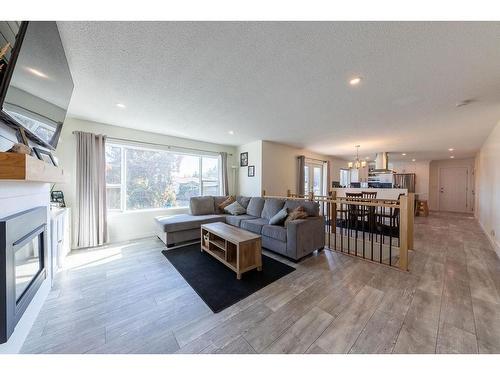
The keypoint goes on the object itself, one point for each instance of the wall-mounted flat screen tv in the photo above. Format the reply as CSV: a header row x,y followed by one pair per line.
x,y
35,80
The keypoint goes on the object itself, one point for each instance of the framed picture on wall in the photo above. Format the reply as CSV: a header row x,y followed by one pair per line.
x,y
243,159
45,156
251,170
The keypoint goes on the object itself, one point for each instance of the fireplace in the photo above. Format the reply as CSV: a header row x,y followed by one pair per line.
x,y
23,259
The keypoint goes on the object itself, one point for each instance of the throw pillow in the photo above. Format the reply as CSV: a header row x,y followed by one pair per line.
x,y
280,217
235,209
299,213
226,203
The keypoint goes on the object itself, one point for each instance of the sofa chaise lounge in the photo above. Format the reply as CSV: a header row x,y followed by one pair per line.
x,y
298,239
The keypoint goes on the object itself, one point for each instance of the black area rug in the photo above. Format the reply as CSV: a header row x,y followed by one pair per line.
x,y
215,283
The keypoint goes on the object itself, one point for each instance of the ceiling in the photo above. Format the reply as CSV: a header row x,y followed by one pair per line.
x,y
288,82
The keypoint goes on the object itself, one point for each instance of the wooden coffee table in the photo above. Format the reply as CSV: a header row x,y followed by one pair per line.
x,y
238,249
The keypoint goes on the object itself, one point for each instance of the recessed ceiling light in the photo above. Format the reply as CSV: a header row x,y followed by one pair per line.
x,y
37,73
231,132
413,159
451,149
403,154
355,81
452,157
121,105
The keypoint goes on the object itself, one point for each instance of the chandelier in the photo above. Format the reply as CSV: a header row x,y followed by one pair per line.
x,y
357,163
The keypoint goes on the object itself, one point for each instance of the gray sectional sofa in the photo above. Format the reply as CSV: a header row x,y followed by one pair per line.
x,y
298,239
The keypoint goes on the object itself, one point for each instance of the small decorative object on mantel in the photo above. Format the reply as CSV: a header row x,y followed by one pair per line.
x,y
45,155
243,159
19,148
251,171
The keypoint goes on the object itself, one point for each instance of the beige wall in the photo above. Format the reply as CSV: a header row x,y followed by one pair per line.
x,y
421,170
435,166
488,187
131,224
250,186
279,167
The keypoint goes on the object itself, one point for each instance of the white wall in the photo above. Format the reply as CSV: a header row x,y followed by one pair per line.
x,y
488,187
279,167
435,166
133,224
421,170
250,186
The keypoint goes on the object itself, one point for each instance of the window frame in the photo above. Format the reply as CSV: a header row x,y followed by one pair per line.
x,y
120,185
123,173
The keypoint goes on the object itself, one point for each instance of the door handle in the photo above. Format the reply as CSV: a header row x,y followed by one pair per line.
x,y
441,190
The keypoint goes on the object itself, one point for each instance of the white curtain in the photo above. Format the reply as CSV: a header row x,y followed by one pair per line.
x,y
91,226
223,174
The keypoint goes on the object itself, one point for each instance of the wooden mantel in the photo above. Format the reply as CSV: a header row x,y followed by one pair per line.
x,y
21,167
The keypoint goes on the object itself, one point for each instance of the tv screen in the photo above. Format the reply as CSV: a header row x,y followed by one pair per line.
x,y
36,83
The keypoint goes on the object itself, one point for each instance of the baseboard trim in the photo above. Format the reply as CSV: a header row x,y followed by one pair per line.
x,y
492,241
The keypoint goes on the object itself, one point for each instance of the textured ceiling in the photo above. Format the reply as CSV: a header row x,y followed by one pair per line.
x,y
288,82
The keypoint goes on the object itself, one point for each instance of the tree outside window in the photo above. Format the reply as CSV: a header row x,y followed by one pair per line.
x,y
140,178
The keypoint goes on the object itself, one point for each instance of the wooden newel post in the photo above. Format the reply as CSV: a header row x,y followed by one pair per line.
x,y
403,233
333,217
288,193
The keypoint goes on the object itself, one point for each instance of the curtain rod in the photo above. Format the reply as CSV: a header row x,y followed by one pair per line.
x,y
160,144
323,161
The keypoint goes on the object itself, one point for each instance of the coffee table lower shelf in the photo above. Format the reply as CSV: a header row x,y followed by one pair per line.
x,y
236,248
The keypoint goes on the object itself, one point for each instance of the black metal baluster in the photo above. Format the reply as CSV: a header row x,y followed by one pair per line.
x,y
348,212
381,234
372,226
333,216
363,228
342,224
391,222
329,217
382,218
356,213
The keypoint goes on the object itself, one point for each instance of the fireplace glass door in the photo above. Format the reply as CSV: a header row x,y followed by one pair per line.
x,y
28,262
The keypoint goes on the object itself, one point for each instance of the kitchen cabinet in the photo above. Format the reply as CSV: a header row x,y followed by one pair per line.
x,y
60,236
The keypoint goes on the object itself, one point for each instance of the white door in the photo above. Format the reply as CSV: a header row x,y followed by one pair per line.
x,y
313,178
453,189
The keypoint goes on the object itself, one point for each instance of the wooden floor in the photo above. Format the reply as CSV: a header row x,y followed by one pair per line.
x,y
130,299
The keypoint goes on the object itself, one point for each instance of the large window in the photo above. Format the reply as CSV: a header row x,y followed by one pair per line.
x,y
140,178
